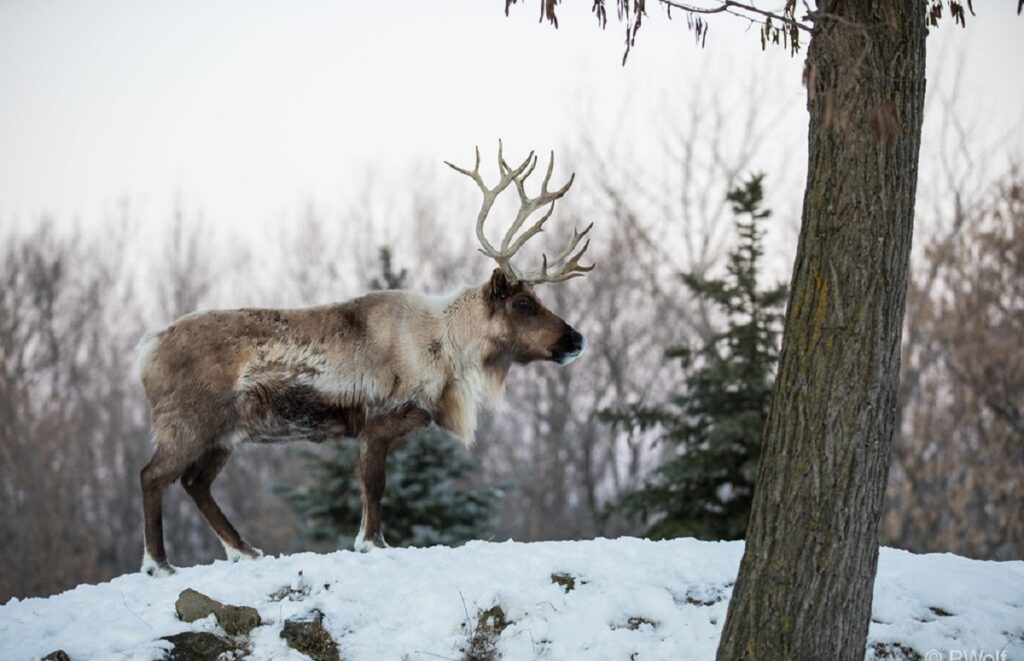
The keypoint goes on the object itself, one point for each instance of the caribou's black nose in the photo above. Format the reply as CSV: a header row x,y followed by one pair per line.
x,y
576,340
570,346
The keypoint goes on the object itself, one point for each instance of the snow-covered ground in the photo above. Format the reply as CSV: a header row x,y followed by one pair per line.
x,y
632,599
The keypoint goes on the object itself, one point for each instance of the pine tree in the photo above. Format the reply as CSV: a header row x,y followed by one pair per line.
x,y
428,499
715,422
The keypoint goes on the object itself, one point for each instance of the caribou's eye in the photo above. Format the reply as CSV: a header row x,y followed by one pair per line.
x,y
524,305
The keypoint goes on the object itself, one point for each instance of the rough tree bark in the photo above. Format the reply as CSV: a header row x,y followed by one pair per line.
x,y
805,582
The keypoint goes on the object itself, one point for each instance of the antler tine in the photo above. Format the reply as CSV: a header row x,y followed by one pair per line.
x,y
566,267
576,237
503,167
547,178
538,226
528,205
547,175
490,195
572,269
475,174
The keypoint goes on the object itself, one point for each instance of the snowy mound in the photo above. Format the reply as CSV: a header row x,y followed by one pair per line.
x,y
603,599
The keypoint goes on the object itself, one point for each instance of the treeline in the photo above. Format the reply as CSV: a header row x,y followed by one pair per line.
x,y
74,427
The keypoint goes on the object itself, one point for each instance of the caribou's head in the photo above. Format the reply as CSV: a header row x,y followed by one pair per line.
x,y
527,331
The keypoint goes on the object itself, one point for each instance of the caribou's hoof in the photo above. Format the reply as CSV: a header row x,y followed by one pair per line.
x,y
364,545
245,553
251,552
156,569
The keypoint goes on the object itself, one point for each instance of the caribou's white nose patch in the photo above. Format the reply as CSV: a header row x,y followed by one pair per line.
x,y
569,357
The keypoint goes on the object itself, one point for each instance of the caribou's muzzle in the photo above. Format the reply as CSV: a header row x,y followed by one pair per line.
x,y
569,346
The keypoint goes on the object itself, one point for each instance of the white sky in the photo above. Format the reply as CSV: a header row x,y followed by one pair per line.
x,y
249,108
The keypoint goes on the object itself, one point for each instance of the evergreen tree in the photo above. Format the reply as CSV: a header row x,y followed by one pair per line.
x,y
706,489
428,499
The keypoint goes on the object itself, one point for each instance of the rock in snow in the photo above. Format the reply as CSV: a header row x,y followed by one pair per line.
x,y
196,646
630,598
235,620
308,635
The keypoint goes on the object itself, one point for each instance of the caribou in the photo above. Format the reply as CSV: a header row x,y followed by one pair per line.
x,y
372,369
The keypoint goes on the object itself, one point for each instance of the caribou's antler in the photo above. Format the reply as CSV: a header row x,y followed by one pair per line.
x,y
566,264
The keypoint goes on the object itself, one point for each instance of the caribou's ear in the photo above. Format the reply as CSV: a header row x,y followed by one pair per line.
x,y
500,287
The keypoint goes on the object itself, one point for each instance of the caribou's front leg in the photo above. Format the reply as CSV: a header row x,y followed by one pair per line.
x,y
374,444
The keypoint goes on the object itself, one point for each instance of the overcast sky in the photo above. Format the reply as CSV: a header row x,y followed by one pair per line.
x,y
249,108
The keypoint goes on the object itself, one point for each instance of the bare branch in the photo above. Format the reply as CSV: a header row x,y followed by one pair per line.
x,y
728,7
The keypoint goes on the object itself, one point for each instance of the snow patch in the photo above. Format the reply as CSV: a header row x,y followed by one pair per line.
x,y
630,598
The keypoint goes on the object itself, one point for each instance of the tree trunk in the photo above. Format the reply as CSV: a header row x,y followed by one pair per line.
x,y
805,582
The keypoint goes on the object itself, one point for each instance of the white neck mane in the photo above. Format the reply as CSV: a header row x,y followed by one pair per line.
x,y
465,345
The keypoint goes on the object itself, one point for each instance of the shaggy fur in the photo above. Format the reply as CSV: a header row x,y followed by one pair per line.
x,y
374,369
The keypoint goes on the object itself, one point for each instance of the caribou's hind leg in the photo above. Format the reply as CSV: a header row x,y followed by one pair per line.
x,y
374,444
162,470
197,481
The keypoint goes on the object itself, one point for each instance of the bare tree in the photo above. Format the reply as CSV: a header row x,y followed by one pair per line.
x,y
65,412
957,478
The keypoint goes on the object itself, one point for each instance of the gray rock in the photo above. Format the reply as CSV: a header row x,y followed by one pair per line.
x,y
192,605
197,646
238,620
59,655
235,620
306,634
